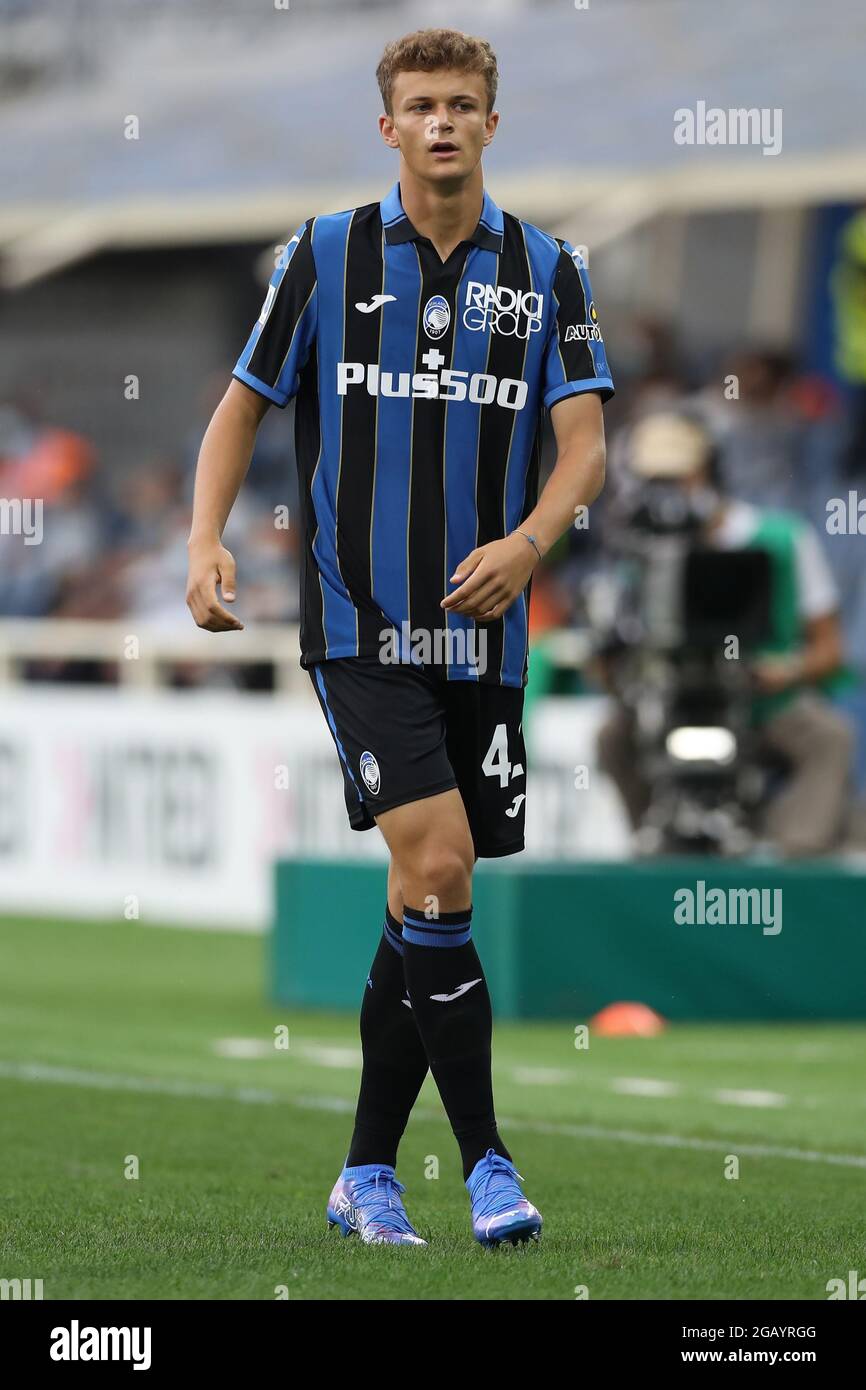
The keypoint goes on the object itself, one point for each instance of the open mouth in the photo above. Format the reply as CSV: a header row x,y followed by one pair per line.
x,y
443,147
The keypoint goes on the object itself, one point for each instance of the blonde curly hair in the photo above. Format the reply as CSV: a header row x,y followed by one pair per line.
x,y
428,50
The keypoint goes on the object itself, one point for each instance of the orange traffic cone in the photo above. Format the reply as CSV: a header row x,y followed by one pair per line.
x,y
626,1020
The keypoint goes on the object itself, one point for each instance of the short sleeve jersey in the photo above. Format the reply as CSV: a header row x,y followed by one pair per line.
x,y
420,389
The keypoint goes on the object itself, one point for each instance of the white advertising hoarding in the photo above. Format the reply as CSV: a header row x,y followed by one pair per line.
x,y
171,807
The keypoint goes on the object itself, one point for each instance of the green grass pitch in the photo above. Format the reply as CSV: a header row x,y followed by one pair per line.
x,y
113,1044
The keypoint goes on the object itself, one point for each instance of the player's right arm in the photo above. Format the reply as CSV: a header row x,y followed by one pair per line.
x,y
267,372
223,462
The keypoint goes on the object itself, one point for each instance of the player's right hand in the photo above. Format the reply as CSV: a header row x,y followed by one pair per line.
x,y
209,565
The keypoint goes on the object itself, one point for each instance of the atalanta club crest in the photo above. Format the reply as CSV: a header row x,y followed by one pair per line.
x,y
437,316
370,773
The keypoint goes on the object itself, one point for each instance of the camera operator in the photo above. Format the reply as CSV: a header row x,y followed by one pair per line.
x,y
792,720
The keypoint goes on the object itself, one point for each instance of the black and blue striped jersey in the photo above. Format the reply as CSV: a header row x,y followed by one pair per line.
x,y
420,387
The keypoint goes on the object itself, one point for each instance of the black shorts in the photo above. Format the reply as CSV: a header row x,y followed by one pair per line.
x,y
403,733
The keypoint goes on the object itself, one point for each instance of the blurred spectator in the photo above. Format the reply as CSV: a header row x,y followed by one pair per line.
x,y
272,476
759,430
50,474
108,547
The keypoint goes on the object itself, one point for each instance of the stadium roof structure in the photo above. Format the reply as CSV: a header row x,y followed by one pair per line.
x,y
251,120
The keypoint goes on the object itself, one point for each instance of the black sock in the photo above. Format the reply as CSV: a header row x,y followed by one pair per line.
x,y
395,1063
452,1009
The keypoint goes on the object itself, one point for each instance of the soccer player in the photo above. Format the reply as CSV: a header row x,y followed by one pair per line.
x,y
423,337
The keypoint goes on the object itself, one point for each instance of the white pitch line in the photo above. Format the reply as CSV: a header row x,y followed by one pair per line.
x,y
243,1049
249,1095
679,1141
644,1086
770,1100
543,1076
622,1136
652,1086
148,1085
320,1054
349,1059
340,1058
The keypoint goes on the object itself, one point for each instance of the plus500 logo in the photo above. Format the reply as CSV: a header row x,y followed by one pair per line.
x,y
447,385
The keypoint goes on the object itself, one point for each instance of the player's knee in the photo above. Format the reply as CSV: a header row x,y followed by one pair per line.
x,y
441,871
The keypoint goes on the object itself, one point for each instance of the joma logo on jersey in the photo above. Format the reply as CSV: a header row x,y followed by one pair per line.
x,y
447,385
513,313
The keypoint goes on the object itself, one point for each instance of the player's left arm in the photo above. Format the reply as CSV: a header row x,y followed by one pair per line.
x,y
576,381
496,573
578,474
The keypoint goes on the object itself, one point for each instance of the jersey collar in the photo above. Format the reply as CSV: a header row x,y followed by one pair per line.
x,y
488,233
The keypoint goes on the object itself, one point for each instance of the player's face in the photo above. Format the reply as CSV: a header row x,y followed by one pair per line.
x,y
440,123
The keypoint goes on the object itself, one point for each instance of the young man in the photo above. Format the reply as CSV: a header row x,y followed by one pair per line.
x,y
423,336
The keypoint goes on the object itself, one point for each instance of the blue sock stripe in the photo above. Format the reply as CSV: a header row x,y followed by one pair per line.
x,y
452,921
445,919
395,923
444,928
417,938
392,938
422,932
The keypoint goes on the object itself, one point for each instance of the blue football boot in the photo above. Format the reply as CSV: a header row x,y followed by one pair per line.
x,y
500,1212
366,1202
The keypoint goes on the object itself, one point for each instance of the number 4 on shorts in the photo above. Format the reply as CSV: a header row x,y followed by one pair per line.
x,y
496,762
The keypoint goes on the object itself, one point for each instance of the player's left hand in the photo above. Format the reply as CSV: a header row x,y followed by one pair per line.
x,y
490,578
